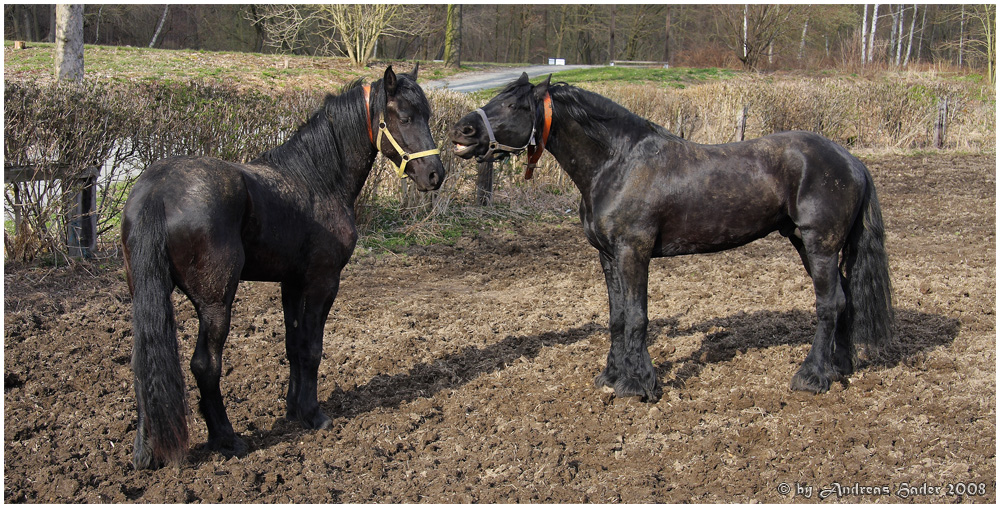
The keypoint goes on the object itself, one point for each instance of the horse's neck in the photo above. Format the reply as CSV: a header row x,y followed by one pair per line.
x,y
576,153
585,160
342,163
360,176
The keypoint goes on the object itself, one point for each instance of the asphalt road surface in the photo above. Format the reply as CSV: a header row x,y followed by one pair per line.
x,y
474,81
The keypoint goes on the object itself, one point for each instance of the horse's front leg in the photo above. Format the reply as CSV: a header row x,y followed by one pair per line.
x,y
306,310
616,322
629,370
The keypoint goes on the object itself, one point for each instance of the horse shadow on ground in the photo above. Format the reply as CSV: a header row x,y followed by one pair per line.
x,y
725,338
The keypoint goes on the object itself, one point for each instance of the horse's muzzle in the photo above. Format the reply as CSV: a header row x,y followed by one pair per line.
x,y
426,178
465,137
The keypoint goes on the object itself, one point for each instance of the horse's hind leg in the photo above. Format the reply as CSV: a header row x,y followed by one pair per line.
x,y
817,371
214,308
843,351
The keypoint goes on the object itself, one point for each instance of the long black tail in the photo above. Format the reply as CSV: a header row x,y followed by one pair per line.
x,y
162,434
868,289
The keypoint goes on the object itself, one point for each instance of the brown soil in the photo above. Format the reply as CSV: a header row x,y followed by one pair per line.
x,y
464,374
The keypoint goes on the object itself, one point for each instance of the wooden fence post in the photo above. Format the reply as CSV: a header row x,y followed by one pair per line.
x,y
80,194
941,126
484,183
741,126
81,214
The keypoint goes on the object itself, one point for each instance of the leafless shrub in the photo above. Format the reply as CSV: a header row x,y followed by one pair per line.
x,y
59,130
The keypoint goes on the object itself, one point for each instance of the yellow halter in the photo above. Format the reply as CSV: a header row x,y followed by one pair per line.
x,y
383,129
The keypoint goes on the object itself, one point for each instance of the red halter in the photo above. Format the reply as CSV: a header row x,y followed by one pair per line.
x,y
535,152
368,112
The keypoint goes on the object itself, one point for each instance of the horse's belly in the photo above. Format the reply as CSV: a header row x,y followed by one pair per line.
x,y
711,237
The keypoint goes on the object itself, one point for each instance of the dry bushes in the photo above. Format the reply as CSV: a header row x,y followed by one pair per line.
x,y
56,131
858,113
60,129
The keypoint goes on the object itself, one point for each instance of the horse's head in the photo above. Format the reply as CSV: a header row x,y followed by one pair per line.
x,y
509,123
402,133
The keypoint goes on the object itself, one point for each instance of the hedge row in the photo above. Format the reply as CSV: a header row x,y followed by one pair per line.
x,y
59,129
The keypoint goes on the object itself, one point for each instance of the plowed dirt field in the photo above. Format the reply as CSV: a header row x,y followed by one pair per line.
x,y
463,373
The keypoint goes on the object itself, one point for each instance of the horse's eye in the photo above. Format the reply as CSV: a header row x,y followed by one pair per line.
x,y
404,120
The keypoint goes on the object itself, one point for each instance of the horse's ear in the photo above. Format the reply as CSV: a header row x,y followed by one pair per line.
x,y
416,68
523,80
389,82
542,88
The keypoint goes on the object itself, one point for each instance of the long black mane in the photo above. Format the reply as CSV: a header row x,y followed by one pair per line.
x,y
596,114
317,149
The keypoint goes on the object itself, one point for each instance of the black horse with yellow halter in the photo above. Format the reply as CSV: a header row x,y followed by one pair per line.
x,y
202,225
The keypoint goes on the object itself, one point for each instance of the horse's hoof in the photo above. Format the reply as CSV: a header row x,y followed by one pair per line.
x,y
627,387
318,421
229,448
809,379
604,380
143,458
843,366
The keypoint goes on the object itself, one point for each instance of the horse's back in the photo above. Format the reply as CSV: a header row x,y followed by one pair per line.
x,y
707,198
204,201
188,186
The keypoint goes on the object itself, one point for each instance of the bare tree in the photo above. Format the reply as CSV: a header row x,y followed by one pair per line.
x,y
611,32
360,26
961,39
909,44
754,30
977,37
864,39
352,29
283,27
802,42
871,38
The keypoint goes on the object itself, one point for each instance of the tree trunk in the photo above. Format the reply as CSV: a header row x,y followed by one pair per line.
x,y
453,37
543,47
892,33
871,39
909,44
961,38
899,37
746,35
802,42
51,37
562,31
159,26
611,41
69,42
666,38
864,32
920,41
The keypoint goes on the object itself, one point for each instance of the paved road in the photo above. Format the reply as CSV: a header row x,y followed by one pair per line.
x,y
474,81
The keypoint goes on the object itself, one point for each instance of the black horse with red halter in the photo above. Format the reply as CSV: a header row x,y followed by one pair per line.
x,y
535,149
647,193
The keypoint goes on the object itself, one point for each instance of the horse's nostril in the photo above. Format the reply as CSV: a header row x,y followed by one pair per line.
x,y
433,178
469,130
